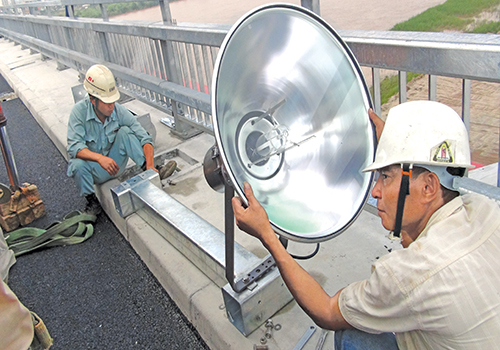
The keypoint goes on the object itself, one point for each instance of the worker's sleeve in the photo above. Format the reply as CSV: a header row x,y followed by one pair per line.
x,y
378,304
16,325
127,119
76,129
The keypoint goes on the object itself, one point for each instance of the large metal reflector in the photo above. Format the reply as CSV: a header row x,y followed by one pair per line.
x,y
290,113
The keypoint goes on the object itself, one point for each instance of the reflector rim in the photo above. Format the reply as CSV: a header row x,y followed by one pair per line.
x,y
366,97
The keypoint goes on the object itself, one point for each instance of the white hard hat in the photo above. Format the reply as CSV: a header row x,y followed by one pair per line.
x,y
100,83
425,133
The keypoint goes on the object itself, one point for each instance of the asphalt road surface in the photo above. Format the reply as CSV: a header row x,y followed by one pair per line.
x,y
93,295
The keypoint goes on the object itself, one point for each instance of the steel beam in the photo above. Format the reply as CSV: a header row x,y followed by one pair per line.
x,y
429,53
204,246
466,185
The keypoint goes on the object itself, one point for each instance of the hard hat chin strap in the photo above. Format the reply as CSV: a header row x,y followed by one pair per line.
x,y
404,190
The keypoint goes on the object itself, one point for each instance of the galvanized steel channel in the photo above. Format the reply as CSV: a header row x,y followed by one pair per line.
x,y
204,246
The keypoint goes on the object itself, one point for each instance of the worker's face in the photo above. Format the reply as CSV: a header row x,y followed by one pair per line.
x,y
105,109
386,191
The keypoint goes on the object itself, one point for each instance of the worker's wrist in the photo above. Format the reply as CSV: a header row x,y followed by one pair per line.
x,y
269,239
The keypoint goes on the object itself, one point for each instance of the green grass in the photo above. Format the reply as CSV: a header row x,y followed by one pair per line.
x,y
452,15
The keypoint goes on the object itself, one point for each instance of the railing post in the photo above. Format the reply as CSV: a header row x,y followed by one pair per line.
x,y
182,129
376,90
104,46
167,47
103,37
466,90
165,12
432,87
172,70
312,5
104,12
402,86
70,11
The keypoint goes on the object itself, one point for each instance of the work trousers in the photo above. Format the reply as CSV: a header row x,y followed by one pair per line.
x,y
354,339
87,173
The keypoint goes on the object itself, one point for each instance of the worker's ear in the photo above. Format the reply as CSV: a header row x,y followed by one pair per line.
x,y
430,186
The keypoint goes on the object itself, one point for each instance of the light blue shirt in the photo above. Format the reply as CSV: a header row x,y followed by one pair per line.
x,y
85,130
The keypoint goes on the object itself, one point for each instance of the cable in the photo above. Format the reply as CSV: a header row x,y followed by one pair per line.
x,y
284,241
305,257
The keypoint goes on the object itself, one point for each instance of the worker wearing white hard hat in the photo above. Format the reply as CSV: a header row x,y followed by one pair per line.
x,y
100,83
103,135
426,134
441,290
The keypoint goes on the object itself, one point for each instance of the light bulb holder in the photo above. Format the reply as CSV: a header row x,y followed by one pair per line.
x,y
215,171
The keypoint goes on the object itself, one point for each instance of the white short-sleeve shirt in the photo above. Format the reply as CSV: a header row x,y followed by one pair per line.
x,y
443,291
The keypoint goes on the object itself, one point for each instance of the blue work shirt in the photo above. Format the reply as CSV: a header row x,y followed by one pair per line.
x,y
85,130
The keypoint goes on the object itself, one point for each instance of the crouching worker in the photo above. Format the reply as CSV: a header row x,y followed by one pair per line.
x,y
102,136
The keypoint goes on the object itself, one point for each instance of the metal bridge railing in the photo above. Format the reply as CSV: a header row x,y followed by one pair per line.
x,y
170,66
164,65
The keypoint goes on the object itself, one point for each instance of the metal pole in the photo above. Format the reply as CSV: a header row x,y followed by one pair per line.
x,y
104,46
466,92
165,12
229,232
8,157
312,5
402,86
432,87
70,11
376,90
104,13
258,272
498,165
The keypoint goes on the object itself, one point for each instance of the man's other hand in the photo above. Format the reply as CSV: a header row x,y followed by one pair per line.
x,y
151,167
109,165
377,122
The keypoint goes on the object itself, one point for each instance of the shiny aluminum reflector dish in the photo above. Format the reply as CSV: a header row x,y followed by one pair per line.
x,y
290,116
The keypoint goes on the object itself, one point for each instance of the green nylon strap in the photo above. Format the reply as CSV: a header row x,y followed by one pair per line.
x,y
75,228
